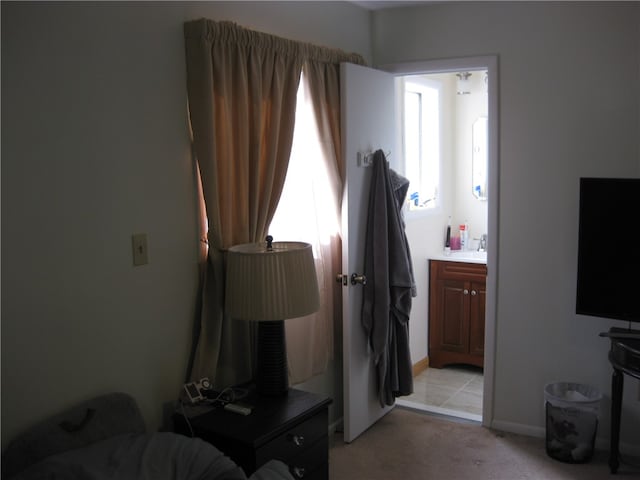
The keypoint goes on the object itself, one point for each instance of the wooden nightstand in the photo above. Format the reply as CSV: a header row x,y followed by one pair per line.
x,y
292,428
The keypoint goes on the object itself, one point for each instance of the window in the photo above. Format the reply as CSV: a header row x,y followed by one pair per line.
x,y
421,141
306,211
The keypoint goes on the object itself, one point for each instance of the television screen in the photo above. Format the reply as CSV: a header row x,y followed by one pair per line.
x,y
608,283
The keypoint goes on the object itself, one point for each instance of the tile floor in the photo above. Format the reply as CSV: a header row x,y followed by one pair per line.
x,y
453,390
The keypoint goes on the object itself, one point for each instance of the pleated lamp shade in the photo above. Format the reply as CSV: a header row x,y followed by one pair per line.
x,y
270,282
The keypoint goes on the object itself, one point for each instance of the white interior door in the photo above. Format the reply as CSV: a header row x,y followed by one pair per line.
x,y
367,98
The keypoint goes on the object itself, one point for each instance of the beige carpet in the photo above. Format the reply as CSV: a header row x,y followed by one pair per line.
x,y
407,445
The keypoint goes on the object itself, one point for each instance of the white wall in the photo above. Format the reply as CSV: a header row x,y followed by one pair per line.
x,y
94,149
468,109
569,95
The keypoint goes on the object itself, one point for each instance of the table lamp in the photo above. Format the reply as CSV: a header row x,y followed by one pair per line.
x,y
269,283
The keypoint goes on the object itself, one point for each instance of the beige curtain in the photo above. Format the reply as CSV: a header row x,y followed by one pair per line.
x,y
242,95
323,80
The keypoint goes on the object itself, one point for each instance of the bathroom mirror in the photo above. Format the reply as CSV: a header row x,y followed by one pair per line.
x,y
479,141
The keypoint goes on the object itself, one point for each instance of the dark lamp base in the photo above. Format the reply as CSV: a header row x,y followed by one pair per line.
x,y
272,375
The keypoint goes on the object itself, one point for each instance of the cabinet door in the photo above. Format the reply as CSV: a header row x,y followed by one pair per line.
x,y
456,313
454,335
477,302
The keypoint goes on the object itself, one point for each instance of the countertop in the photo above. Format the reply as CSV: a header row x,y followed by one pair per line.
x,y
467,256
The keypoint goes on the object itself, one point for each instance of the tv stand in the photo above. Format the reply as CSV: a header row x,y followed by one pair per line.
x,y
631,334
624,356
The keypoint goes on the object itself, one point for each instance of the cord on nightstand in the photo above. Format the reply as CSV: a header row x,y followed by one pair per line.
x,y
228,395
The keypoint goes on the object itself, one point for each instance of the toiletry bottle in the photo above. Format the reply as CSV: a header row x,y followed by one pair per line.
x,y
464,236
447,240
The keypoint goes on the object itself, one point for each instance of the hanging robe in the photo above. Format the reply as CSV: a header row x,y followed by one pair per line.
x,y
387,295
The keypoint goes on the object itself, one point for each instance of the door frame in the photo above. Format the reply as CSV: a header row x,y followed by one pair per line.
x,y
489,63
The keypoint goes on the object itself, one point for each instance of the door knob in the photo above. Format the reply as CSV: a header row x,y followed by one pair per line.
x,y
358,279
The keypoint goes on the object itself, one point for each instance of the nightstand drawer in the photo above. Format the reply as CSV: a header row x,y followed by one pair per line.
x,y
313,462
310,463
296,440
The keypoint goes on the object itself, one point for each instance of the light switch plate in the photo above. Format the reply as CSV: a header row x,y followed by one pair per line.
x,y
140,249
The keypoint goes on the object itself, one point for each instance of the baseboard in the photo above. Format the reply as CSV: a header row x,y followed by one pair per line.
x,y
601,443
336,426
420,366
519,428
453,415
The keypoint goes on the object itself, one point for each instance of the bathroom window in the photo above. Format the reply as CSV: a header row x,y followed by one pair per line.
x,y
421,142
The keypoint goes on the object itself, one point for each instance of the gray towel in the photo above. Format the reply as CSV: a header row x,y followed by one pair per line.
x,y
387,296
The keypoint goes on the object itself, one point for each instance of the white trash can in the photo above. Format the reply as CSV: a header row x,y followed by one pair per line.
x,y
572,412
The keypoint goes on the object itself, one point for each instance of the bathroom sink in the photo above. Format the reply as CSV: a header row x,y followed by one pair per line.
x,y
467,256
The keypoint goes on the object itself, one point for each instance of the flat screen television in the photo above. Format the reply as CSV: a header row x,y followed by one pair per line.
x,y
608,283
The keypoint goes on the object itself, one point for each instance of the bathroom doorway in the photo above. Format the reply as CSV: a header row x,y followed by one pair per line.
x,y
454,185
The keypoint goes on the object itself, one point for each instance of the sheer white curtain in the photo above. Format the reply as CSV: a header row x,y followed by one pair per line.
x,y
309,211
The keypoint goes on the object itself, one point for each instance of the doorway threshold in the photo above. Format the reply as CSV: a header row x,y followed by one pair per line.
x,y
447,413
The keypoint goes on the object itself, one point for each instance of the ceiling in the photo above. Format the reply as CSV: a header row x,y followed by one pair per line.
x,y
384,4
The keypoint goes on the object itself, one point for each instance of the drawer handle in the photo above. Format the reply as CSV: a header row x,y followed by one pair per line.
x,y
297,440
298,472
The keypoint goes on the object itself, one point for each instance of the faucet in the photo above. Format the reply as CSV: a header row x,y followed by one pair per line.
x,y
482,246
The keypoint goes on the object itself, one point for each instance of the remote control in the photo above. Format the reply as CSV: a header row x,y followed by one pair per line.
x,y
235,408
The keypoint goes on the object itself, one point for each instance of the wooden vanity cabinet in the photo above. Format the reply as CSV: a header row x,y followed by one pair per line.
x,y
457,298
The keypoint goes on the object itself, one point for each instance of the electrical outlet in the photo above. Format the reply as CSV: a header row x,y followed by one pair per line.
x,y
140,249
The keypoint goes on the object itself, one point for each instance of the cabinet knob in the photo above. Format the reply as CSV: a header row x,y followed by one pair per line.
x,y
465,291
297,440
298,472
473,292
